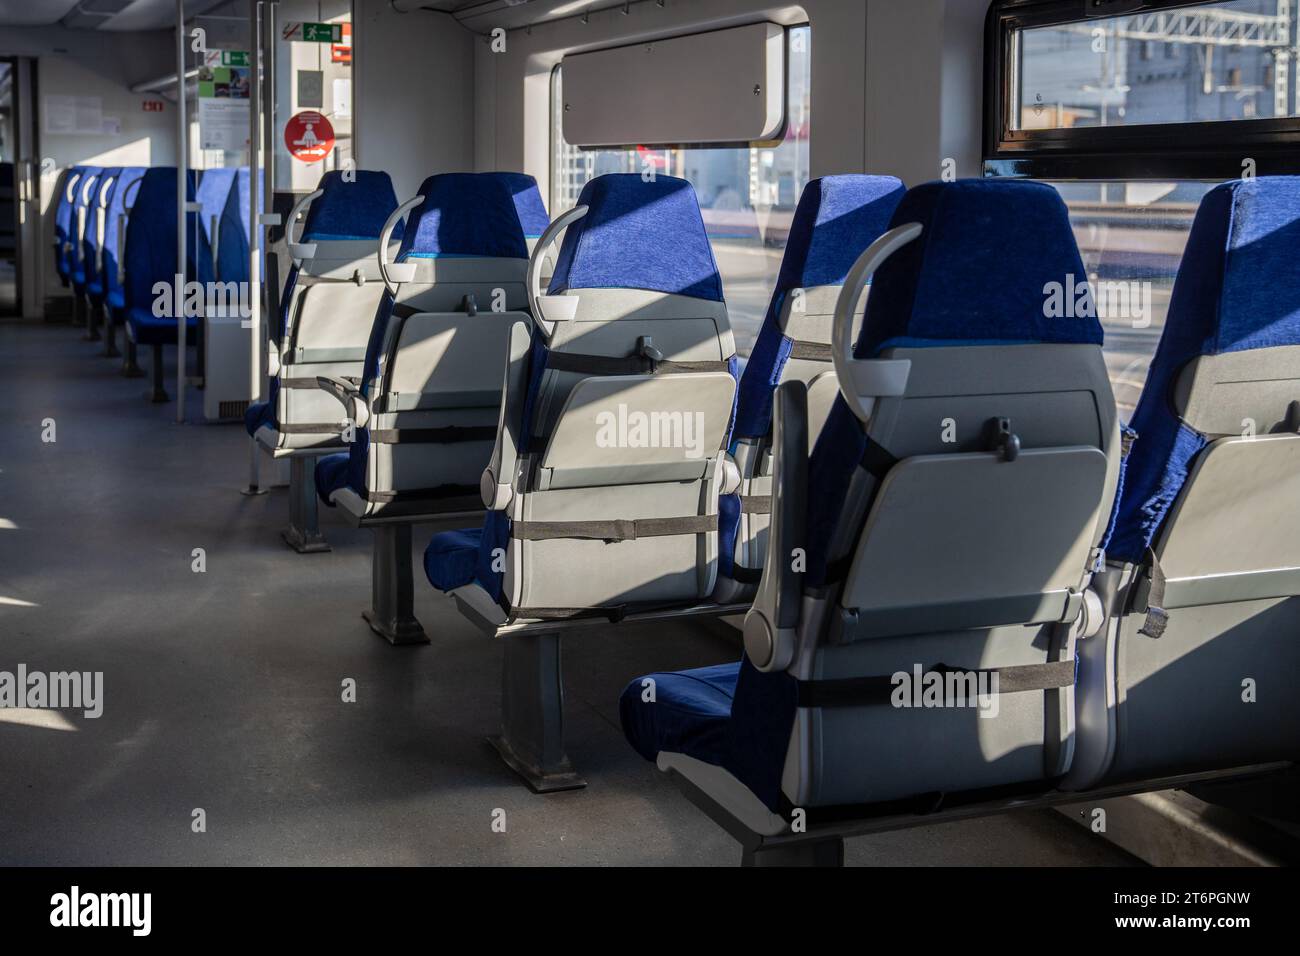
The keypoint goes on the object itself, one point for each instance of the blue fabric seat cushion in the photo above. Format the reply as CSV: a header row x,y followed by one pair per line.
x,y
257,415
688,715
331,475
451,558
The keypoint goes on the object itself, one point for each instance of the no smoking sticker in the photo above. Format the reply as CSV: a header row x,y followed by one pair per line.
x,y
308,136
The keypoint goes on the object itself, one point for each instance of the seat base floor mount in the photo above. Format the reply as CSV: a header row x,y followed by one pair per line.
x,y
130,366
816,846
531,742
392,593
303,533
396,631
539,780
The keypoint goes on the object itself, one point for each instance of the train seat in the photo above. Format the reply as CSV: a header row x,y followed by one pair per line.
x,y
942,530
113,258
150,258
82,222
326,310
1203,576
426,409
93,237
92,249
836,219
593,513
82,203
65,223
649,331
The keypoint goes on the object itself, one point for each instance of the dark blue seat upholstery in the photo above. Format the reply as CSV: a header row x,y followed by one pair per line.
x,y
83,204
345,211
231,263
836,219
151,256
528,202
689,714
1242,231
92,239
604,249
65,222
464,215
122,196
213,195
974,277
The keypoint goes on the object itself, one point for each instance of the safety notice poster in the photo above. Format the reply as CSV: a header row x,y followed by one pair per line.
x,y
223,100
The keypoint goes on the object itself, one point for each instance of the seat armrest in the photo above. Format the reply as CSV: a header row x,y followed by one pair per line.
x,y
349,396
771,623
497,483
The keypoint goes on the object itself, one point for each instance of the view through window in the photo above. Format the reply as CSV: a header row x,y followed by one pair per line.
x,y
1131,237
747,195
1221,61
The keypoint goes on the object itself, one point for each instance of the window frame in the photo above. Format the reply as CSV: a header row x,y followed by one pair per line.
x,y
1163,151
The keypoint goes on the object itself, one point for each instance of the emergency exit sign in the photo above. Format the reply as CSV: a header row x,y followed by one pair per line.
x,y
322,32
234,58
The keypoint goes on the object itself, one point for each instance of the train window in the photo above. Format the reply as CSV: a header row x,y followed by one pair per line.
x,y
1131,236
747,195
1216,64
1162,89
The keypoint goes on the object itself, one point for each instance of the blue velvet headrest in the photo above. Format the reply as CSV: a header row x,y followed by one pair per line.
x,y
102,193
528,202
212,195
638,235
107,183
464,215
980,272
837,217
151,236
355,209
1238,283
88,186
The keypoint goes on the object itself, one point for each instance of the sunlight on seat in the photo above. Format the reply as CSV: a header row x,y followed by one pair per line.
x,y
15,602
7,525
31,717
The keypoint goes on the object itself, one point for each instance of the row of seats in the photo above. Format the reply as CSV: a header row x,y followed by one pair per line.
x,y
115,239
1138,603
933,484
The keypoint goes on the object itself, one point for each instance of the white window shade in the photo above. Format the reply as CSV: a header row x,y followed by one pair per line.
x,y
723,87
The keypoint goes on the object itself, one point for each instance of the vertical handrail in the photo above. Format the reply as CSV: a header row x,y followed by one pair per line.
x,y
182,179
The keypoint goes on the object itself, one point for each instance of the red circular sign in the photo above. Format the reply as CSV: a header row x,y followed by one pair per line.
x,y
309,136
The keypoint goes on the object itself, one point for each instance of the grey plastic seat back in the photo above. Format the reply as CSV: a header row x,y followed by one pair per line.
x,y
957,496
1192,672
610,457
438,348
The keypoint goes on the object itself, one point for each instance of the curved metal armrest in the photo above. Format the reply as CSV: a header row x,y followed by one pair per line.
x,y
347,395
862,381
548,309
398,272
301,250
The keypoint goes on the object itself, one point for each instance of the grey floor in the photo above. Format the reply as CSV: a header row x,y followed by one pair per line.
x,y
222,689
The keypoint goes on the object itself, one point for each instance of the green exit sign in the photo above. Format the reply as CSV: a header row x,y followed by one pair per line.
x,y
322,32
234,58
